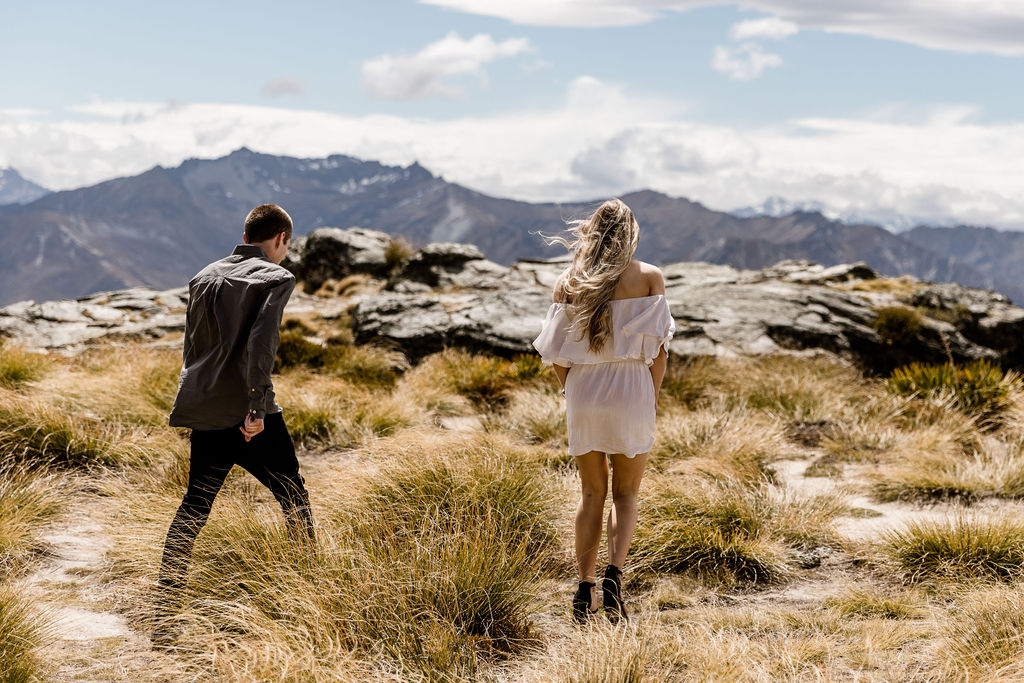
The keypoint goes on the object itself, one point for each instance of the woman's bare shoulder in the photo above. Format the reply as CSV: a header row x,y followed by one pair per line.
x,y
652,277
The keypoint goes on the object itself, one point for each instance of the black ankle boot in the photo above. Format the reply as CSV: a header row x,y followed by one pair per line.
x,y
611,587
581,602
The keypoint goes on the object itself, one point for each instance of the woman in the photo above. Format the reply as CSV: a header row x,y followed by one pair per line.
x,y
606,335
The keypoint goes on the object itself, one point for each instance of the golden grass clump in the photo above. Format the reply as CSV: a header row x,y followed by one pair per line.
x,y
944,455
130,384
397,251
37,434
963,547
789,388
873,602
536,417
27,500
930,476
485,380
984,637
19,367
729,531
454,381
23,633
427,570
716,440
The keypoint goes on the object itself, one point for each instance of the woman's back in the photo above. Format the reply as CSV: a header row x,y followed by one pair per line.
x,y
640,279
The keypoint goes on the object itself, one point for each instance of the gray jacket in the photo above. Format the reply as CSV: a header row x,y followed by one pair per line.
x,y
231,336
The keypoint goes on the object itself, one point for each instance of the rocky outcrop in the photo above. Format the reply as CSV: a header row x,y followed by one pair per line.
x,y
138,313
447,266
791,307
450,295
332,254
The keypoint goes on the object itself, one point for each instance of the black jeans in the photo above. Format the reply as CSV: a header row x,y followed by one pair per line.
x,y
269,456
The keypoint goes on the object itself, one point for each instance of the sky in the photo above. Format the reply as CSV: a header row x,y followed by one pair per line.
x,y
896,111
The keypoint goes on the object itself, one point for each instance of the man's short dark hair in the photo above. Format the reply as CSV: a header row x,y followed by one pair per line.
x,y
267,221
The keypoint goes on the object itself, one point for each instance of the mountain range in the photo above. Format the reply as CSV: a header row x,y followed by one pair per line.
x,y
160,227
14,189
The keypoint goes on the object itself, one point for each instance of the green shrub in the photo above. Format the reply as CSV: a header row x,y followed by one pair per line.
x,y
897,325
22,633
18,367
962,548
357,364
979,387
485,380
527,367
959,315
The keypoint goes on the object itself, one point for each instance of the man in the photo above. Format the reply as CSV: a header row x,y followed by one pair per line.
x,y
225,393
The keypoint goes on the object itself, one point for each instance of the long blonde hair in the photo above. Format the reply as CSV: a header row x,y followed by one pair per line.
x,y
602,247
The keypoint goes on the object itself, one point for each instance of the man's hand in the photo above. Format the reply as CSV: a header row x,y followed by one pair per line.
x,y
251,427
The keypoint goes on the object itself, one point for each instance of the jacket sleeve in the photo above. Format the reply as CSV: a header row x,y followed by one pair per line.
x,y
262,347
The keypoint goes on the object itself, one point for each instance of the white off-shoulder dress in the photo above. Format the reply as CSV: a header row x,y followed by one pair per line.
x,y
609,396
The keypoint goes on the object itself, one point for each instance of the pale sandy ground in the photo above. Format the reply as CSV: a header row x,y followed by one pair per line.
x,y
93,642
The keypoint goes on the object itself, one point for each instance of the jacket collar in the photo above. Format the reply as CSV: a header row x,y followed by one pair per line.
x,y
249,251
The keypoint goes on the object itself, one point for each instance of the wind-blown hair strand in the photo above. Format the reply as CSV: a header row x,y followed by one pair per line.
x,y
602,247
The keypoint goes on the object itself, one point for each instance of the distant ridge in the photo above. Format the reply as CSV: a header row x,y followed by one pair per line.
x,y
16,189
158,228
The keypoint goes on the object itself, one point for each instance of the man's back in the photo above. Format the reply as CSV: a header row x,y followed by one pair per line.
x,y
231,336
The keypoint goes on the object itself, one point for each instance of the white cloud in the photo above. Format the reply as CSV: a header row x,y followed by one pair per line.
x,y
768,27
743,62
586,13
989,26
599,141
427,73
285,85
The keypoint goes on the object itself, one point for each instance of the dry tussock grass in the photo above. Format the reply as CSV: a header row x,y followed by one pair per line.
x,y
28,499
718,441
429,564
447,556
983,640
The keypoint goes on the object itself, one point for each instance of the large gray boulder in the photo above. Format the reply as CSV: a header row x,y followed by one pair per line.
x,y
446,265
332,253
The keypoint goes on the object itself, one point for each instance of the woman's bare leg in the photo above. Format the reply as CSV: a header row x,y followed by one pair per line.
x,y
593,468
626,476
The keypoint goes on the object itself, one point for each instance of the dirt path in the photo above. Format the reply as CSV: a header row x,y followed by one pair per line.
x,y
92,641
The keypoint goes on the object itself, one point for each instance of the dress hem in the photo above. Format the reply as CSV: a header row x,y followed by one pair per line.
x,y
611,451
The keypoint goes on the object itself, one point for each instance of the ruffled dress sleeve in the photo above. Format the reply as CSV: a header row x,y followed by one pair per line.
x,y
552,344
647,332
